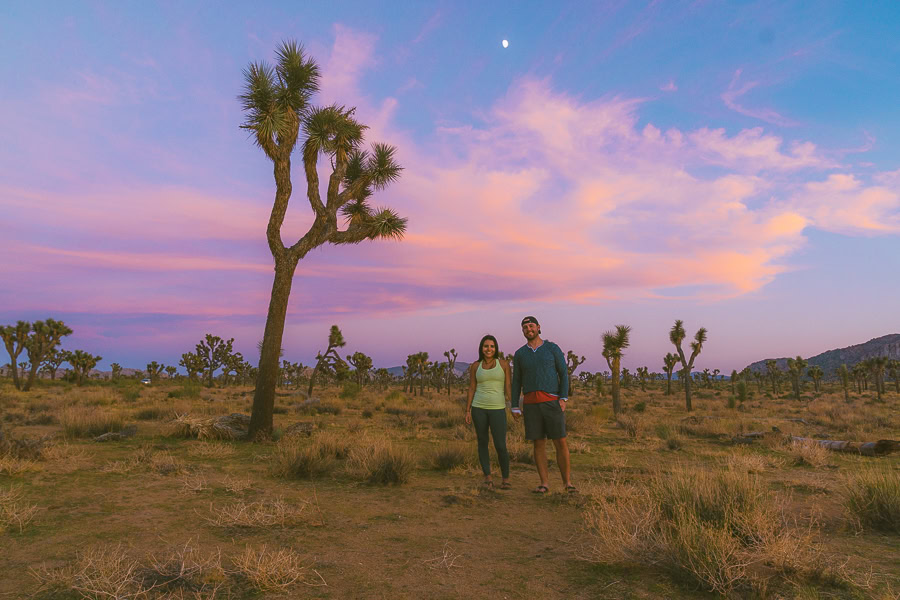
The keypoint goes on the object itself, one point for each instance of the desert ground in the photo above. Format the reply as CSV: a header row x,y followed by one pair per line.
x,y
377,494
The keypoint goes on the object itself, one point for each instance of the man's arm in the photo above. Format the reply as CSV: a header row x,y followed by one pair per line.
x,y
562,372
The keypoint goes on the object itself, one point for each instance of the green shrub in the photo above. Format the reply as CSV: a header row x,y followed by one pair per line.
x,y
293,461
350,391
151,413
640,407
367,414
187,390
731,403
742,391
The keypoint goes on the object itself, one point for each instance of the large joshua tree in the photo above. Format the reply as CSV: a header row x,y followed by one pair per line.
x,y
613,345
676,336
276,103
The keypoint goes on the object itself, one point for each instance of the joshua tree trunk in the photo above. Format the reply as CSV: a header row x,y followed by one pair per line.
x,y
669,383
617,403
267,377
687,392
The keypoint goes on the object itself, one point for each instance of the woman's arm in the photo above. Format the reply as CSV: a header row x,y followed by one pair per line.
x,y
507,386
473,383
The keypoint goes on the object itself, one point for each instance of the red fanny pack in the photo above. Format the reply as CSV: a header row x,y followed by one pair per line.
x,y
538,397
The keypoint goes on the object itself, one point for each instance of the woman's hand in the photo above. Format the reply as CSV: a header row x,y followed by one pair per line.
x,y
469,417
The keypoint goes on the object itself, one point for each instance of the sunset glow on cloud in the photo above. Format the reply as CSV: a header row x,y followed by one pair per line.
x,y
136,209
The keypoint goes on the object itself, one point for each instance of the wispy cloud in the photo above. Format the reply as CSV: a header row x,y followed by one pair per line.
x,y
737,89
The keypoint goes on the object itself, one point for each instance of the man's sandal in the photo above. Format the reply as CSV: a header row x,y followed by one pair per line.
x,y
541,489
505,486
571,489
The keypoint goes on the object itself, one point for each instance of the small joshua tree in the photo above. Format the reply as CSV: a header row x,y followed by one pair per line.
x,y
815,373
614,343
844,374
170,371
772,370
213,352
451,362
15,338
192,363
361,364
669,362
154,369
45,336
53,361
676,336
572,363
328,360
82,362
795,368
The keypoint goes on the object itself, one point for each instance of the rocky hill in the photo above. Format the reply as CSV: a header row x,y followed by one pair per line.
x,y
886,345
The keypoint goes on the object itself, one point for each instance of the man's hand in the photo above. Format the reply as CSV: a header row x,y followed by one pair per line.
x,y
562,405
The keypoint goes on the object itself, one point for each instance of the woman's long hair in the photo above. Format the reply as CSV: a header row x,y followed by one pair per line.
x,y
481,347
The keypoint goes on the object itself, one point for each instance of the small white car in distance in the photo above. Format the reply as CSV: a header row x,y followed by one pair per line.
x,y
145,381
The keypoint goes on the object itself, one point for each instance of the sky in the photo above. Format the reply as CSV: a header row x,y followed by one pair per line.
x,y
732,164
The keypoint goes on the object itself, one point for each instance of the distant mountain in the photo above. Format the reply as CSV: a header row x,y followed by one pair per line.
x,y
886,345
459,368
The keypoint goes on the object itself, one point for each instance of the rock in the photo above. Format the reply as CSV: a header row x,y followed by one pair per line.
x,y
301,428
235,426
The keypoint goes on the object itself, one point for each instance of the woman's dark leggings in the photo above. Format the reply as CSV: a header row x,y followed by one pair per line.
x,y
495,420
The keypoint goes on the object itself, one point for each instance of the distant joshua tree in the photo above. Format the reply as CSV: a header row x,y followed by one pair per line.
x,y
844,374
192,363
772,370
894,372
642,375
37,339
676,336
815,373
327,361
276,104
362,364
795,369
154,369
734,378
572,363
170,371
669,362
451,362
53,361
213,352
614,343
82,363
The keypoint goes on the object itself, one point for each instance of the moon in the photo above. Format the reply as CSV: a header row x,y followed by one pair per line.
x,y
505,43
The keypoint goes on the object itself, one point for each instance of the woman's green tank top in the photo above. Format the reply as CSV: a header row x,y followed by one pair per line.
x,y
489,388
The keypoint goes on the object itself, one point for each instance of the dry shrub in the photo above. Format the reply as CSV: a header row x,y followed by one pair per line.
x,y
230,427
63,451
872,497
191,484
712,529
577,447
166,464
380,462
11,465
264,513
293,459
110,572
14,513
808,453
236,486
520,451
211,450
89,422
748,462
631,425
450,456
273,570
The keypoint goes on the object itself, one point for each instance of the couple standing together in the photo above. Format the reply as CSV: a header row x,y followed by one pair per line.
x,y
539,370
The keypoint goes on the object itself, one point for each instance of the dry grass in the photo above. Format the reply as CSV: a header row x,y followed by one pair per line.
x,y
89,422
450,455
872,497
217,450
381,463
193,483
235,485
631,425
14,512
808,453
709,528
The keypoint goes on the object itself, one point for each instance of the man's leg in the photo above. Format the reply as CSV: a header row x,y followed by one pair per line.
x,y
562,457
540,459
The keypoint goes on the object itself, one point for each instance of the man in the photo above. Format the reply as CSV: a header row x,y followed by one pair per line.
x,y
539,369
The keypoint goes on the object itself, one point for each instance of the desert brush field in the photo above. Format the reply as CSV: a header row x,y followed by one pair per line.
x,y
377,493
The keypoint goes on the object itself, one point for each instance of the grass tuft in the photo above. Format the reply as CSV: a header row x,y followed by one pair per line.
x,y
872,497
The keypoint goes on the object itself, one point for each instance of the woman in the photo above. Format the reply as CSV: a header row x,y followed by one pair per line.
x,y
488,396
